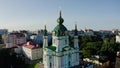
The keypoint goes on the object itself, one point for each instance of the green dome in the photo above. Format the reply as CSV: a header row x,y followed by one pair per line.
x,y
60,20
60,27
60,30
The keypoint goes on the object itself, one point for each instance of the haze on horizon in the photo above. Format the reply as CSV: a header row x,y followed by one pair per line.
x,y
34,14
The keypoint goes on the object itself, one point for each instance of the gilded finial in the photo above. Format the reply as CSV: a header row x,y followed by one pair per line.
x,y
60,13
60,20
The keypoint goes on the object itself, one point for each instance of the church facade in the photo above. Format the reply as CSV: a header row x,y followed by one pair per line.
x,y
61,54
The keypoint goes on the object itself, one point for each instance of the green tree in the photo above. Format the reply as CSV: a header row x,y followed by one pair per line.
x,y
91,48
8,58
109,48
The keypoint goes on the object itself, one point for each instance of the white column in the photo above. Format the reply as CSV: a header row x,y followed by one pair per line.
x,y
46,63
77,50
64,60
45,41
72,57
78,59
76,42
67,59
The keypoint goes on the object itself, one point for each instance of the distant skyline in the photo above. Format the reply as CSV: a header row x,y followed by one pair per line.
x,y
34,14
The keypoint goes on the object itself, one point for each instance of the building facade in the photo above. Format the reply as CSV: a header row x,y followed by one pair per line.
x,y
31,51
15,39
60,54
3,36
118,38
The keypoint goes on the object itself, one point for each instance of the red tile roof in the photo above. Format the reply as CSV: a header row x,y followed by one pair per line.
x,y
30,45
20,44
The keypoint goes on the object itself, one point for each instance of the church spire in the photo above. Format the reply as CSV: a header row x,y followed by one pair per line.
x,y
75,26
45,31
60,20
76,31
60,13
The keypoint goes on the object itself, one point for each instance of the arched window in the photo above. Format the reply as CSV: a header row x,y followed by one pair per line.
x,y
69,56
69,63
50,65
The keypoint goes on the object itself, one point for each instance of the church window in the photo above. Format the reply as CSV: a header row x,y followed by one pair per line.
x,y
50,65
50,57
69,63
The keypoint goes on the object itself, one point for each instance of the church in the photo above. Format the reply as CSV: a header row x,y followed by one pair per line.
x,y
61,54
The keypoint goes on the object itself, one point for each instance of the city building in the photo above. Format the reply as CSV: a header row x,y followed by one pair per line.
x,y
118,38
3,31
60,54
14,39
115,31
3,35
31,51
89,32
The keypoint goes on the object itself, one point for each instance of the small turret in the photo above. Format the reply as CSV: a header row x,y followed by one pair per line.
x,y
76,45
45,38
75,31
76,37
60,29
60,20
45,31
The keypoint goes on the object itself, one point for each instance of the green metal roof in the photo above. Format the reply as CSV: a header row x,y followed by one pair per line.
x,y
66,48
60,27
53,48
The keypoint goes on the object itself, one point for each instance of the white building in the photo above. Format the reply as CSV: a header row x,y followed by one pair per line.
x,y
115,31
31,51
39,38
60,54
89,32
118,38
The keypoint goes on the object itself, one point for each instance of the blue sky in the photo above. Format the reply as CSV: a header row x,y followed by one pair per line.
x,y
34,14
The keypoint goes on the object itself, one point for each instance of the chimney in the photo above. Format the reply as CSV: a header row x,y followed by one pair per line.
x,y
37,45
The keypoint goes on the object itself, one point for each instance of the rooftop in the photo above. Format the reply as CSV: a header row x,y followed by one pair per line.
x,y
30,45
67,48
17,34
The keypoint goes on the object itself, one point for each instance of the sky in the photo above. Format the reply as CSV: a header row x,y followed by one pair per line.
x,y
34,14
